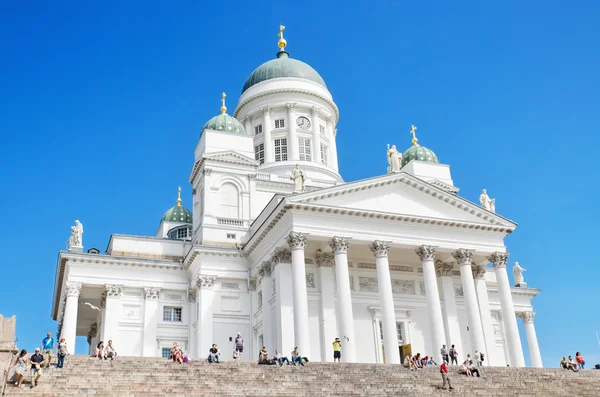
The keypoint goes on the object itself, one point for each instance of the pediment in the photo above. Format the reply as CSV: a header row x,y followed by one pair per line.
x,y
231,157
405,195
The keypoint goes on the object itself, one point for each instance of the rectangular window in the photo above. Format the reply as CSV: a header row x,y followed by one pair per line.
x,y
165,352
399,329
304,149
324,154
231,235
281,149
259,153
172,313
279,123
258,129
322,129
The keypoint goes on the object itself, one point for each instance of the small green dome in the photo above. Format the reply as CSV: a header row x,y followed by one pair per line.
x,y
178,214
420,153
283,66
226,123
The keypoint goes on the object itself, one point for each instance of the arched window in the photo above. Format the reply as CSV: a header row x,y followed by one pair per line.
x,y
229,199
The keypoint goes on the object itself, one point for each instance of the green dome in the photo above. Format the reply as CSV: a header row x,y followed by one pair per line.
x,y
418,152
226,123
283,66
178,214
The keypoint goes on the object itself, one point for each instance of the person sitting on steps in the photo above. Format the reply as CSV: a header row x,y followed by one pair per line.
x,y
214,354
474,371
296,358
263,356
280,358
99,351
109,351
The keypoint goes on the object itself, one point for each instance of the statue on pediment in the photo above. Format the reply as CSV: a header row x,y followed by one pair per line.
x,y
486,202
76,239
518,275
298,177
394,159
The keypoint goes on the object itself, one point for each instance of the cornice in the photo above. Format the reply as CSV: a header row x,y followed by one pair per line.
x,y
210,251
228,157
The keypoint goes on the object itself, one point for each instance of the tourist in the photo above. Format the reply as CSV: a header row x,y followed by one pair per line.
x,y
444,372
474,371
238,346
337,350
408,362
296,359
280,358
21,363
36,360
479,357
61,352
214,354
580,360
444,353
464,368
431,361
563,363
173,350
417,361
47,348
263,356
453,355
109,351
572,365
186,358
178,355
100,351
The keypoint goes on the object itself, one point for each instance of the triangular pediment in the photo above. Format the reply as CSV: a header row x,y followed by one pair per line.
x,y
402,194
231,157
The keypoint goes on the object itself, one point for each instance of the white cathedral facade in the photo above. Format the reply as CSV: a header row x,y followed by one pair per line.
x,y
279,248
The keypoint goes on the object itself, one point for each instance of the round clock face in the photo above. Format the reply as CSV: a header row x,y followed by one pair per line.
x,y
303,122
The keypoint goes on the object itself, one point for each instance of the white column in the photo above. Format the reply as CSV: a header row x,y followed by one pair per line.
x,y
453,336
267,318
297,242
463,257
284,300
432,295
316,141
328,316
191,330
206,297
69,322
532,341
293,138
339,245
247,121
112,314
504,339
151,295
268,141
390,334
332,143
517,359
485,313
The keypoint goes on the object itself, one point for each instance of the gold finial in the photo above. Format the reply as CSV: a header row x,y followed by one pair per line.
x,y
281,43
414,134
223,107
179,197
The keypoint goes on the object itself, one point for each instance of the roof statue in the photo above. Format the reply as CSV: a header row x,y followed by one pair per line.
x,y
394,159
281,43
486,202
298,177
75,241
518,275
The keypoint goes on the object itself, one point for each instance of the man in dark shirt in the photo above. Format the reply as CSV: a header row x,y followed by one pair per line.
x,y
238,346
36,367
213,354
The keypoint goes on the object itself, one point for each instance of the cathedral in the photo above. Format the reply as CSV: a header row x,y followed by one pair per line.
x,y
278,247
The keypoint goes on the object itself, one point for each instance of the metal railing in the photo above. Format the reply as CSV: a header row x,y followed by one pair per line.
x,y
11,358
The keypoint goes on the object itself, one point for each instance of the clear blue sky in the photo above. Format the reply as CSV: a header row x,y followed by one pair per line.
x,y
102,103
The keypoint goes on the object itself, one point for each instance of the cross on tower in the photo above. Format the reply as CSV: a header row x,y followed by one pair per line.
x,y
414,134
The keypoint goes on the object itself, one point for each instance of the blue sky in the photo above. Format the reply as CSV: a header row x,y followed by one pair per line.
x,y
102,103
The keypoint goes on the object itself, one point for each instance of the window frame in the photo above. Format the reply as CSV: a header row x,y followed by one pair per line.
x,y
172,314
259,151
258,129
304,149
280,144
280,123
324,154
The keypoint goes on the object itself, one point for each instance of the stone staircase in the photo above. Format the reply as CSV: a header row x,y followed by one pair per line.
x,y
148,377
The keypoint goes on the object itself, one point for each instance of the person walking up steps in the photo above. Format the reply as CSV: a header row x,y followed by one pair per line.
x,y
453,355
444,353
337,350
238,346
445,379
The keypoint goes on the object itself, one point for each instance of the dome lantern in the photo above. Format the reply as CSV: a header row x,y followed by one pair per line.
x,y
178,213
418,152
224,122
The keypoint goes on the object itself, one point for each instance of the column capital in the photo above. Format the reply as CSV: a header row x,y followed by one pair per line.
x,y
478,271
266,111
73,288
291,106
252,284
443,269
463,256
339,245
425,252
314,111
498,259
325,259
281,255
205,282
527,317
296,241
380,248
265,269
113,291
151,293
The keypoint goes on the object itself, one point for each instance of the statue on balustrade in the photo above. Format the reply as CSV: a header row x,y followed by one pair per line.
x,y
486,202
298,177
394,159
518,275
76,239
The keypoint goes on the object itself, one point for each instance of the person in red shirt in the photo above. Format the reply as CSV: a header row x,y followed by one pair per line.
x,y
580,360
444,372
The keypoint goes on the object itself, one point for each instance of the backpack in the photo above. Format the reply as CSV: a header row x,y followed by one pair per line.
x,y
482,356
62,350
452,353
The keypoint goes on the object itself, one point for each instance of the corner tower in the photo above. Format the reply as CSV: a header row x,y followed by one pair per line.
x,y
287,109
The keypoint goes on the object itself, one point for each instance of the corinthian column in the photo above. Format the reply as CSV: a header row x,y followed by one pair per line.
x,y
112,313
316,141
485,313
390,334
267,293
293,138
205,295
532,342
284,298
517,359
69,322
339,245
269,153
297,242
444,272
151,296
432,295
463,257
325,263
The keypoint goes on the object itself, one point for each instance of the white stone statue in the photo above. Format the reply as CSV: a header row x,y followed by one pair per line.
x,y
298,177
76,239
518,274
394,159
486,202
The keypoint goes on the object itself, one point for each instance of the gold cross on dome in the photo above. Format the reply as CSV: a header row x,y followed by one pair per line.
x,y
413,131
223,107
281,29
179,196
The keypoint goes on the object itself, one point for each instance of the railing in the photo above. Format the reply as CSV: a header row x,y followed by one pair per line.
x,y
230,222
263,177
11,358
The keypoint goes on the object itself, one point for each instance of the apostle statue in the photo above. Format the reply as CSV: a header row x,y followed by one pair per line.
x,y
76,235
394,159
298,177
518,274
486,202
